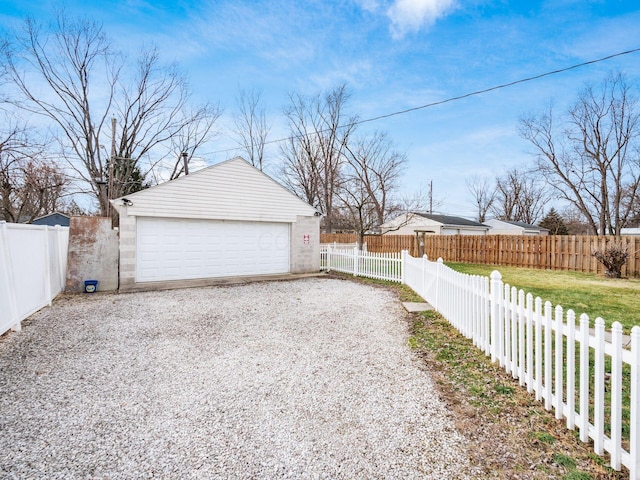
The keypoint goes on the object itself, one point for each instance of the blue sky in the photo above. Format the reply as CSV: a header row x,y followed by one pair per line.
x,y
393,55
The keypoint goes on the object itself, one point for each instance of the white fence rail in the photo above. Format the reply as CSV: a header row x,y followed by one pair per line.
x,y
587,376
33,265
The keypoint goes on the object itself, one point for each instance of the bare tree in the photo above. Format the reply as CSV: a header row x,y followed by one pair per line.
x,y
519,197
193,136
367,191
251,128
30,186
576,222
71,75
313,156
484,194
594,162
299,172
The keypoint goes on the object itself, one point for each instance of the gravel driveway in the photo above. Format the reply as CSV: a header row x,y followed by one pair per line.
x,y
301,379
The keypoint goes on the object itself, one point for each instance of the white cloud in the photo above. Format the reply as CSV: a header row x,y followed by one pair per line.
x,y
412,15
369,5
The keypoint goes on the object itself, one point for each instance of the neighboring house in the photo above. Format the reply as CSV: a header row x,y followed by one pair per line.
x,y
416,222
630,231
509,227
226,220
53,219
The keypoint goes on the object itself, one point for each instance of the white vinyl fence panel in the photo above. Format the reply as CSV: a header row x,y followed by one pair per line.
x,y
33,263
585,375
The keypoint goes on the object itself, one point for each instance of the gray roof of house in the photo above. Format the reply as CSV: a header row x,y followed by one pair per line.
x,y
451,220
524,225
52,219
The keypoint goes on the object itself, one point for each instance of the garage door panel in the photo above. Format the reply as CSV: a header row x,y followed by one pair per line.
x,y
174,249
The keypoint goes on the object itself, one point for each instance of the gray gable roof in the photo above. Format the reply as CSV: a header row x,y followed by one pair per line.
x,y
451,220
525,225
53,219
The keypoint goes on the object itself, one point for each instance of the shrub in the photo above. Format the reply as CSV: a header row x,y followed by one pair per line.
x,y
613,257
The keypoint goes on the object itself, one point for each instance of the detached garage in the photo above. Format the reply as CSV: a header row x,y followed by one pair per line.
x,y
228,220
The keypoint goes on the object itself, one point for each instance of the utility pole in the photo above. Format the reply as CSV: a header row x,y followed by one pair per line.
x,y
111,162
431,197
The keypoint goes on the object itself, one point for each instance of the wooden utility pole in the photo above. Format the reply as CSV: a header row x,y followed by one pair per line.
x,y
431,197
111,166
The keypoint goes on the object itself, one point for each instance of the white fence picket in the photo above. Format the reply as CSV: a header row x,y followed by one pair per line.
x,y
537,344
538,349
571,369
584,378
559,390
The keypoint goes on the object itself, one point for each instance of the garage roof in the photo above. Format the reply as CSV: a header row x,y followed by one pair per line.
x,y
230,190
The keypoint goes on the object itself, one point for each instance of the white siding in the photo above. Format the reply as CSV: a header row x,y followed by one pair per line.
x,y
231,190
409,227
499,227
463,231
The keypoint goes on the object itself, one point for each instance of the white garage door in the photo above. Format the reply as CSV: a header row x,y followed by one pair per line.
x,y
176,249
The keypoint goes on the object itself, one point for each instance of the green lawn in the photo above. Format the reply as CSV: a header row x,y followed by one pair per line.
x,y
597,296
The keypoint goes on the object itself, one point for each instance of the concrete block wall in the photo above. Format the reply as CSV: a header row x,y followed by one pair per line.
x,y
127,251
305,245
93,254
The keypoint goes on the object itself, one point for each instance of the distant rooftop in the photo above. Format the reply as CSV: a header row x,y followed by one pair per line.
x,y
524,225
451,220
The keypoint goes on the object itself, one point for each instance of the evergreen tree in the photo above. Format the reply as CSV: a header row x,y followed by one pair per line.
x,y
554,222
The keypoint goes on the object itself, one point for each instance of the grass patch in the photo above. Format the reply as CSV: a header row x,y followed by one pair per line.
x,y
510,417
597,296
564,461
508,433
544,437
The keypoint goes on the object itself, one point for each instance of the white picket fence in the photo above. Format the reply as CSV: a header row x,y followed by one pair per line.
x,y
383,266
583,373
33,266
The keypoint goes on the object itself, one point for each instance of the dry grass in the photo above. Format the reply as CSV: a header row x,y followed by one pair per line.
x,y
510,435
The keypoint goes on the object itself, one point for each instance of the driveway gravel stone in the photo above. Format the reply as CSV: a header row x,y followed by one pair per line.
x,y
301,379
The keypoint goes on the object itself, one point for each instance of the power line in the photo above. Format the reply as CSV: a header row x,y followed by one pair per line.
x,y
452,99
498,87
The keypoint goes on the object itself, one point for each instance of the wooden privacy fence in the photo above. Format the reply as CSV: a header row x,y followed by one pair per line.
x,y
33,265
554,252
588,377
